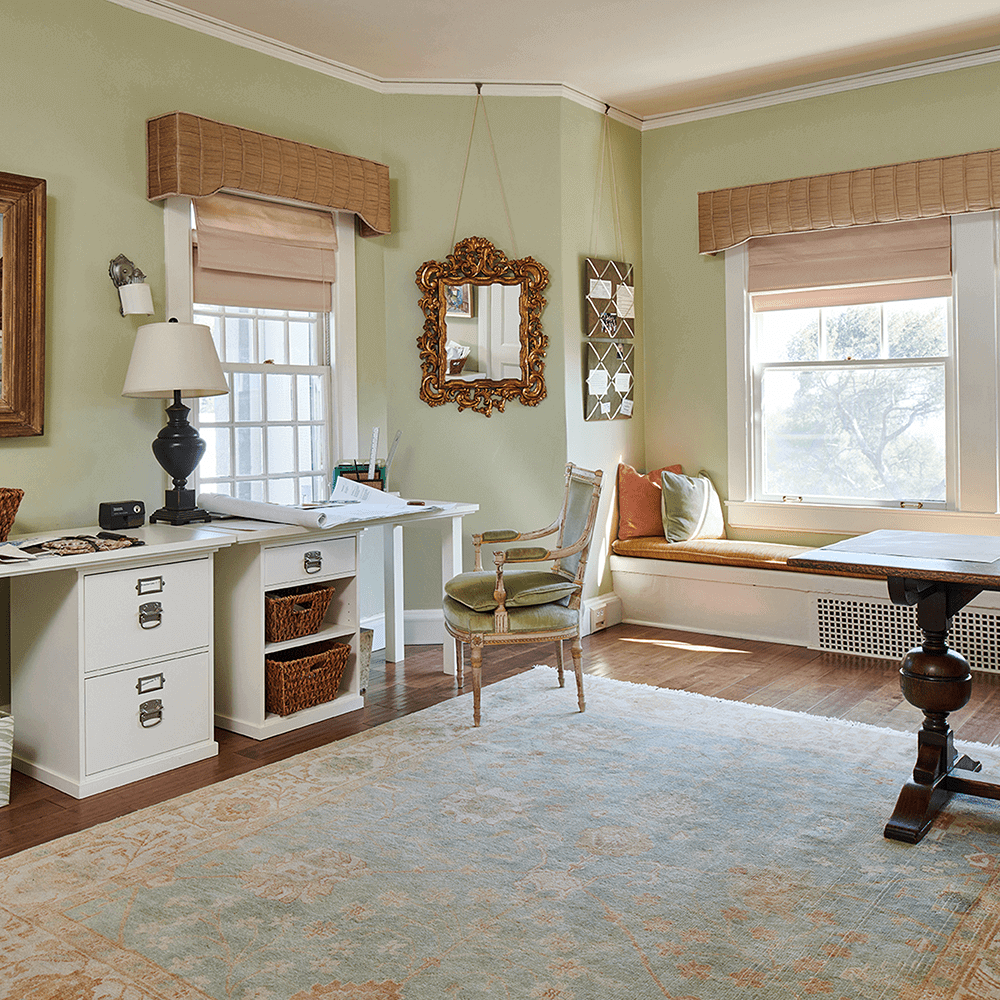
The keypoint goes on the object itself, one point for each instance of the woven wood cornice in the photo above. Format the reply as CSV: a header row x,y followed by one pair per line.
x,y
920,189
188,155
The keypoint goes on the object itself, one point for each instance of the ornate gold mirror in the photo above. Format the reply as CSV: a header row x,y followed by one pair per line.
x,y
485,310
22,305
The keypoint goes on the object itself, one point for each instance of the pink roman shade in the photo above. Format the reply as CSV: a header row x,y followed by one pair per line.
x,y
256,253
901,260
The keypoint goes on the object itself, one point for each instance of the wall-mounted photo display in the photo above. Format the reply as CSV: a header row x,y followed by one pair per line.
x,y
609,379
609,298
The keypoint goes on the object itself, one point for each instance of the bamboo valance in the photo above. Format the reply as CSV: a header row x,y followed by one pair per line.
x,y
188,155
920,189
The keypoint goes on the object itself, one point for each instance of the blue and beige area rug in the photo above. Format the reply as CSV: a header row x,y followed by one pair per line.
x,y
662,845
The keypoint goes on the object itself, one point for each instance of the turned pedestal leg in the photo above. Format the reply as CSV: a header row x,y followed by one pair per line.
x,y
936,680
476,660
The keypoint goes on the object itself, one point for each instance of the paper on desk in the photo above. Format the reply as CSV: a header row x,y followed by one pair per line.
x,y
11,553
366,504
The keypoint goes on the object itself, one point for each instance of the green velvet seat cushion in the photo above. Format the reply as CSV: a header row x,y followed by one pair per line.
x,y
535,618
524,587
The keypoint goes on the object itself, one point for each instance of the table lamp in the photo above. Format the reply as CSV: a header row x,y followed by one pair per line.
x,y
176,360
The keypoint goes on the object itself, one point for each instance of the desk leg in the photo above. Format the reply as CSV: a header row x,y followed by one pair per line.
x,y
392,556
937,680
451,565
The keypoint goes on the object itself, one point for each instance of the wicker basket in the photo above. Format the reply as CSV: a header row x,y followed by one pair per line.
x,y
298,678
296,611
10,500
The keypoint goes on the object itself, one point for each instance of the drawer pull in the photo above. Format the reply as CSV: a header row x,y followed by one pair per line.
x,y
150,615
154,682
313,561
151,713
149,585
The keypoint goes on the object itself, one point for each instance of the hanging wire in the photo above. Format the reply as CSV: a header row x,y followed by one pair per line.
x,y
608,145
496,165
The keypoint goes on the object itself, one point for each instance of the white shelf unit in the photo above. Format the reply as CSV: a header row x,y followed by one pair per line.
x,y
111,671
244,574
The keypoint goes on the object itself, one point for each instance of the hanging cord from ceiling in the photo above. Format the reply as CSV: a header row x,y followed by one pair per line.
x,y
496,163
608,146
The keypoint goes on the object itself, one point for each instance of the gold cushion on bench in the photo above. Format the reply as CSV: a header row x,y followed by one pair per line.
x,y
718,551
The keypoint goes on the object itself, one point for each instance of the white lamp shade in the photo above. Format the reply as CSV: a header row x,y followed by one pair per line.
x,y
137,299
169,356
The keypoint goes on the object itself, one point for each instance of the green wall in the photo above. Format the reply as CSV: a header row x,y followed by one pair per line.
x,y
81,78
947,113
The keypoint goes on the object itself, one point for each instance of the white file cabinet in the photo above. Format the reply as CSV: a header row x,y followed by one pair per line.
x,y
272,558
111,668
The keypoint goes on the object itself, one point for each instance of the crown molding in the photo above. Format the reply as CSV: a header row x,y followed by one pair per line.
x,y
172,12
858,81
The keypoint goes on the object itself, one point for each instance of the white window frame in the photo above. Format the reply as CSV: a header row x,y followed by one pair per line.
x,y
973,429
179,295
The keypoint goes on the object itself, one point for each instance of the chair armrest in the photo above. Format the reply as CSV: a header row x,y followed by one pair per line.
x,y
506,535
530,554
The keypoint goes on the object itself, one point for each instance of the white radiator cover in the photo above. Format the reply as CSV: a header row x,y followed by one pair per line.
x,y
875,628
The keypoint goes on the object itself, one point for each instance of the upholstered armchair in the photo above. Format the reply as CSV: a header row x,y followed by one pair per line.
x,y
517,605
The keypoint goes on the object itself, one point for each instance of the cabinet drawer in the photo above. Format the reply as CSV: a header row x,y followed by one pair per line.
x,y
117,729
146,612
305,561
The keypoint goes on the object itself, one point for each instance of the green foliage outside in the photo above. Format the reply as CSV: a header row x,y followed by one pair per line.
x,y
867,432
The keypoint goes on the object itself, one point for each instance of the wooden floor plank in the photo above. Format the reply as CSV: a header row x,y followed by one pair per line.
x,y
761,673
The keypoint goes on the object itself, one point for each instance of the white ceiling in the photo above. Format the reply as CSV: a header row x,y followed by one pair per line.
x,y
642,57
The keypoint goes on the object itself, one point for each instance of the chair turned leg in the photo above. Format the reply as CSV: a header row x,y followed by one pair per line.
x,y
477,679
562,676
577,650
459,664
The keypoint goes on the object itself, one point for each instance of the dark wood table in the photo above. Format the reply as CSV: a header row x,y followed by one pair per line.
x,y
940,574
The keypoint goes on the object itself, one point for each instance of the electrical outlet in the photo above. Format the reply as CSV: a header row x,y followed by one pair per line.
x,y
598,618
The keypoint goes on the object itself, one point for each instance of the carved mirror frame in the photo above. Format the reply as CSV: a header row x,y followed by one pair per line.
x,y
477,261
22,306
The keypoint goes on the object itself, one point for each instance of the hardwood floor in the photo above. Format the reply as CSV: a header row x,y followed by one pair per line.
x,y
759,673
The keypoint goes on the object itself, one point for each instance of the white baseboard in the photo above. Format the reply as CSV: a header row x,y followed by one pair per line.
x,y
421,627
609,604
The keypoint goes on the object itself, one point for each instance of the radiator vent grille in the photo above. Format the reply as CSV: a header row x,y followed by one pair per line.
x,y
874,628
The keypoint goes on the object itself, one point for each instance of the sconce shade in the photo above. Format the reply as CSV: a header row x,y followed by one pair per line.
x,y
174,356
137,299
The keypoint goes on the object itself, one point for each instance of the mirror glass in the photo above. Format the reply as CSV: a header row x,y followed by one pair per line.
x,y
22,305
482,342
492,334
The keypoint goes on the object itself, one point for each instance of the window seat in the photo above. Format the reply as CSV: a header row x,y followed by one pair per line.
x,y
728,587
718,552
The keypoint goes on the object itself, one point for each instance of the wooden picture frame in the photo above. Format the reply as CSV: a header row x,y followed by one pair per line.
x,y
459,300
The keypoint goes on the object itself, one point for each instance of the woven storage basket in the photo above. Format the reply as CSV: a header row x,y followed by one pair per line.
x,y
298,678
10,500
295,611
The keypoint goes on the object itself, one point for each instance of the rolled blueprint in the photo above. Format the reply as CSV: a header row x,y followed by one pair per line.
x,y
219,503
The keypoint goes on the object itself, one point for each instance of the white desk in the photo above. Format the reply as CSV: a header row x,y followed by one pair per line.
x,y
268,556
111,659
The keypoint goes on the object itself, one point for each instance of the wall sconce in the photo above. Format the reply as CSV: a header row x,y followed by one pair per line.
x,y
136,298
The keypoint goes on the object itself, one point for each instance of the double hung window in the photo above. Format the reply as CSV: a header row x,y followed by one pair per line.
x,y
263,282
863,375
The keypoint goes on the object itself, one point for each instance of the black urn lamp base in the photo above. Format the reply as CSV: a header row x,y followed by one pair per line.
x,y
179,448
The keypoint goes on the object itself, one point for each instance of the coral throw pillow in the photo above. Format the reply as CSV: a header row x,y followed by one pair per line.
x,y
639,512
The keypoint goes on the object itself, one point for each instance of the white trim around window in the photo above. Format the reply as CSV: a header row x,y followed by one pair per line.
x,y
179,297
974,431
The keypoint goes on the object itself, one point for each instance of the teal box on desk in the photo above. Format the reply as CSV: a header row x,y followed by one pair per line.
x,y
358,471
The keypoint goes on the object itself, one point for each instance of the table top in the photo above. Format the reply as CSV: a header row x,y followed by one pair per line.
x,y
160,541
915,555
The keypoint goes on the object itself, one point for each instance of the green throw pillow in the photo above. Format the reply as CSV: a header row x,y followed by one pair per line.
x,y
690,507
